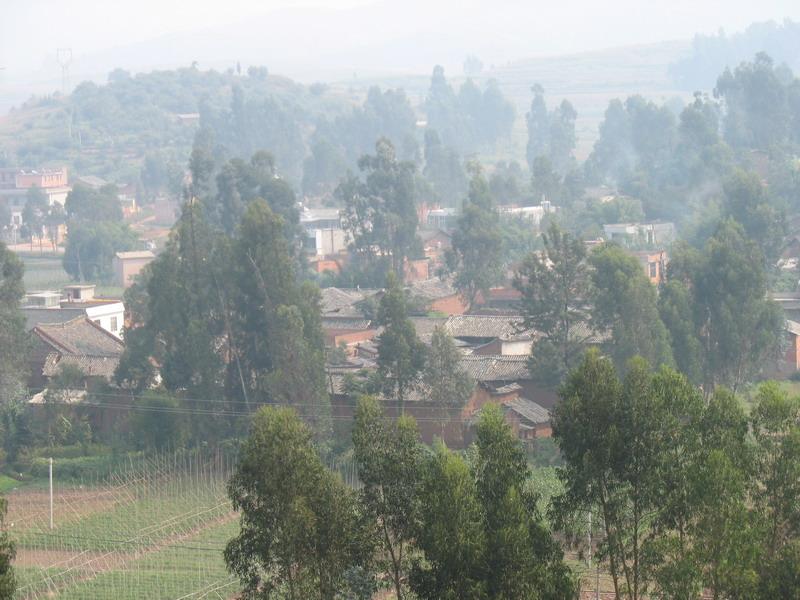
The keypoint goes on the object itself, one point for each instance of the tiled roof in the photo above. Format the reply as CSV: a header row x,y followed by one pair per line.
x,y
90,366
79,337
428,234
792,327
135,254
584,332
425,326
529,410
342,301
432,289
496,368
484,326
35,315
345,323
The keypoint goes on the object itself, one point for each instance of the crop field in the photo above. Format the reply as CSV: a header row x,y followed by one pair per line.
x,y
156,529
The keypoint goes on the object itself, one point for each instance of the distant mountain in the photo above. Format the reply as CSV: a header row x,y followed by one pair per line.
x,y
711,55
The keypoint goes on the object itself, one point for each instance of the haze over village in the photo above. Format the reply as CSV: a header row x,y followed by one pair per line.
x,y
370,300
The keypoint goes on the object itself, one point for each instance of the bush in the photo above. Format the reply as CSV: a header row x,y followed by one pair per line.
x,y
80,468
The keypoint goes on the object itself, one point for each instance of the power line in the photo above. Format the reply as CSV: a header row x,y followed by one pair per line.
x,y
148,541
130,396
181,410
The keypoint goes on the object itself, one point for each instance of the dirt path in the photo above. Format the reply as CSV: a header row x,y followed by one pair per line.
x,y
77,567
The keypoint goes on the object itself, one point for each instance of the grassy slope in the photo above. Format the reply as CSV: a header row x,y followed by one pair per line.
x,y
589,80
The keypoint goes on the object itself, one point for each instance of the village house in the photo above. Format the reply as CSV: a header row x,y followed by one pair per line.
x,y
654,264
435,242
442,218
127,265
533,214
324,236
79,343
76,300
637,235
503,380
15,184
438,296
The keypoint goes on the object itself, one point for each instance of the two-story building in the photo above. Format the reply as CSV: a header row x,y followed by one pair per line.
x,y
77,301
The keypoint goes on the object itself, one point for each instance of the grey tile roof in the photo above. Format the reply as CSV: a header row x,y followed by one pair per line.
x,y
484,326
345,323
36,315
792,327
529,410
90,366
342,301
432,289
79,343
79,337
425,326
496,368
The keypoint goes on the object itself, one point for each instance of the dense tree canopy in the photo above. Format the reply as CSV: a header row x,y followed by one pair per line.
x,y
380,212
478,242
555,291
735,324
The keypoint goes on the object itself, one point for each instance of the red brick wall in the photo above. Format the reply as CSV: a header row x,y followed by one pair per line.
x,y
334,337
417,270
322,265
792,356
449,305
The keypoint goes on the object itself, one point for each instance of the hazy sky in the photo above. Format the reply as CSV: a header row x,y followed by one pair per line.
x,y
339,35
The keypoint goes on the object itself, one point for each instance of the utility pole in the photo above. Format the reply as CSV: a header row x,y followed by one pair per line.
x,y
51,493
597,563
64,58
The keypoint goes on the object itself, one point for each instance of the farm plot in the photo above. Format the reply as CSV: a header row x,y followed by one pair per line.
x,y
156,531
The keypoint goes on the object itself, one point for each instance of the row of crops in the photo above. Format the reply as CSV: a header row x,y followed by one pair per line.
x,y
154,530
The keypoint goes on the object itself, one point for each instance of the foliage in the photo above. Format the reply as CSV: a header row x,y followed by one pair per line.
x,y
388,456
300,527
401,355
470,119
478,242
691,493
450,532
156,422
239,183
522,559
538,127
88,204
380,214
747,202
555,288
613,436
13,339
448,385
625,303
7,555
338,144
444,171
732,320
551,135
91,248
711,54
758,104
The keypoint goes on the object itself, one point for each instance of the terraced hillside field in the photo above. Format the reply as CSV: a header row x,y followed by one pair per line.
x,y
155,530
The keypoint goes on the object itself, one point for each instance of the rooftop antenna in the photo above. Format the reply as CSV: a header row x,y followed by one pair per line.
x,y
64,58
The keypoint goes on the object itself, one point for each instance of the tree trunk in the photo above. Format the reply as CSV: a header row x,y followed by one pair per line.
x,y
395,563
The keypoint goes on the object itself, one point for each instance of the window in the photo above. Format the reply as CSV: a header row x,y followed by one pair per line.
x,y
113,323
653,269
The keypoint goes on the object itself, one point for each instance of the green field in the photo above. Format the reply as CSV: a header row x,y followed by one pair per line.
x,y
43,273
156,530
47,273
